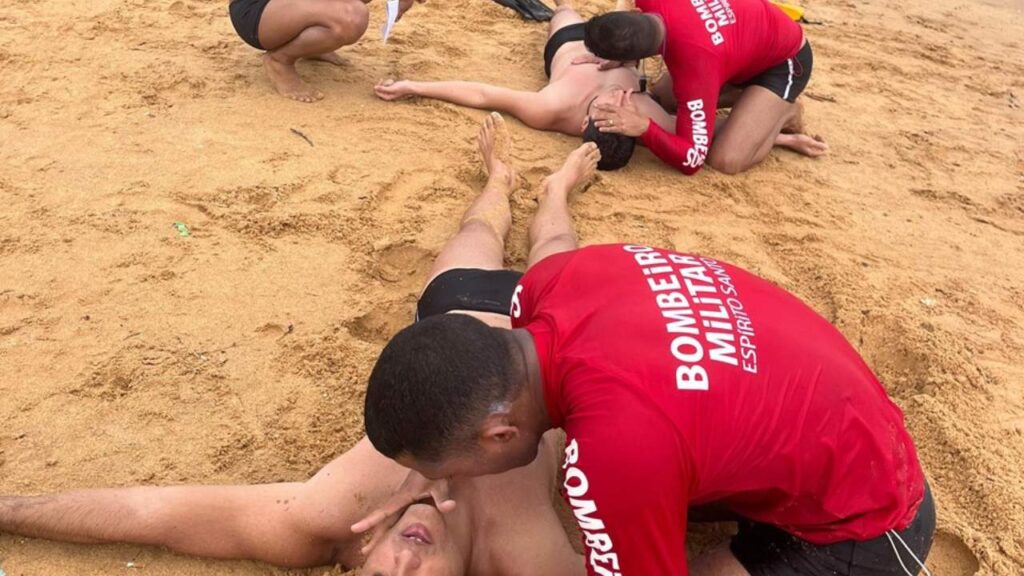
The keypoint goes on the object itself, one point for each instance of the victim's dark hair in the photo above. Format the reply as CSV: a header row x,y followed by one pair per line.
x,y
434,383
622,36
616,149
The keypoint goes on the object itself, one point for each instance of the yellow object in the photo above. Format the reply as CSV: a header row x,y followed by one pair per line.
x,y
794,12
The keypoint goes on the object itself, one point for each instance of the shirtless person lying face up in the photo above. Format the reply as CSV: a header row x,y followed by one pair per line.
x,y
565,104
504,525
577,87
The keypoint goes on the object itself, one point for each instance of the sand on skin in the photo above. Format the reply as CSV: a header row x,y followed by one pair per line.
x,y
130,354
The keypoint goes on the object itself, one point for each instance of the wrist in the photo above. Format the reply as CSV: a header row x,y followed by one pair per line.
x,y
648,130
9,505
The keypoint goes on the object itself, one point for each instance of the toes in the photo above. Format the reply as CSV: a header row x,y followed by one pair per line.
x,y
306,98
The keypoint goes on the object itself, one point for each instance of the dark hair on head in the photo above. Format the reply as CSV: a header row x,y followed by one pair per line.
x,y
616,149
622,36
434,383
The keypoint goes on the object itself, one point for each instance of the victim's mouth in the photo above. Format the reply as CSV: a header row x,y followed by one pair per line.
x,y
418,534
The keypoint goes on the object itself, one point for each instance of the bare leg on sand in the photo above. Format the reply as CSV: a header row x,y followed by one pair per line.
x,y
480,241
565,14
812,146
793,137
314,29
760,120
552,229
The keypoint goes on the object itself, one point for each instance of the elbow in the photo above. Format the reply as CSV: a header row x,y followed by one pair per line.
x,y
687,168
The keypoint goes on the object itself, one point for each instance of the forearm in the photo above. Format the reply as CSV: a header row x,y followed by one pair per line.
x,y
209,521
470,94
679,152
87,516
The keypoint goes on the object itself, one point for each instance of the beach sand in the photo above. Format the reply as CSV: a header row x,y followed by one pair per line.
x,y
131,354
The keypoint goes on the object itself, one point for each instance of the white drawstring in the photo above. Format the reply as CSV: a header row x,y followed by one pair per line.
x,y
892,533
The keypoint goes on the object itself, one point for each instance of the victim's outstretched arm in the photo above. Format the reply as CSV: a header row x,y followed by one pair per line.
x,y
211,521
531,108
288,524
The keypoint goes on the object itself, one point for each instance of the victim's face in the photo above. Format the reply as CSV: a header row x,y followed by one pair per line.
x,y
419,543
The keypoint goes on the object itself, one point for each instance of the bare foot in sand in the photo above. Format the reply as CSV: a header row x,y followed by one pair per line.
x,y
286,80
578,169
329,57
795,125
496,148
803,144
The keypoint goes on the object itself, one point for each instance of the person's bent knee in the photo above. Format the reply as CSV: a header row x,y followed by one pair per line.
x,y
730,168
348,21
728,163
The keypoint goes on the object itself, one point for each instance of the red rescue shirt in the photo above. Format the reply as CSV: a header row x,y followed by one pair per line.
x,y
709,43
681,381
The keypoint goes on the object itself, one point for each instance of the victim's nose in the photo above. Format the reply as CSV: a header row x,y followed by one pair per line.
x,y
406,562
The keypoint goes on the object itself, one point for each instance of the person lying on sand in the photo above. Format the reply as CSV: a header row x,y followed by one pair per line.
x,y
562,105
748,44
680,381
290,30
572,94
503,525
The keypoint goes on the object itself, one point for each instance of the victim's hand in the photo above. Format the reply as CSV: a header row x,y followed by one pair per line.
x,y
623,117
414,487
392,89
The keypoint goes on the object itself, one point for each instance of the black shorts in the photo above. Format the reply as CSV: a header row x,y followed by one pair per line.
x,y
788,79
245,17
564,35
471,289
768,551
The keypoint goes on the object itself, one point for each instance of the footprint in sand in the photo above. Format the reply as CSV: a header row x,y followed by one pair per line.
x,y
951,557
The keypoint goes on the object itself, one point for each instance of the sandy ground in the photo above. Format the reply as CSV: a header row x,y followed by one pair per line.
x,y
130,354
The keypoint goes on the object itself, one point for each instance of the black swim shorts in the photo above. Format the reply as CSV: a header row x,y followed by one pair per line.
x,y
245,17
564,35
789,78
768,551
471,289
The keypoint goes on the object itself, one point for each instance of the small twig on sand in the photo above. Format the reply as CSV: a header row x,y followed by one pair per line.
x,y
821,97
301,135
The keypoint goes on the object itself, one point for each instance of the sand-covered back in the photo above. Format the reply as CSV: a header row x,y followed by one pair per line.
x,y
130,354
